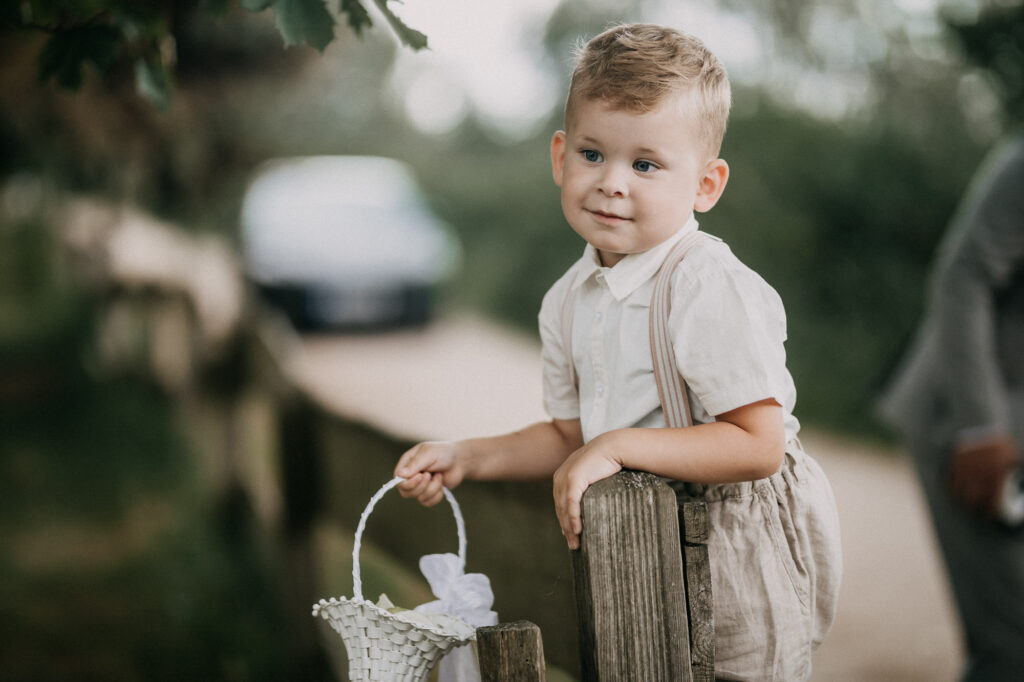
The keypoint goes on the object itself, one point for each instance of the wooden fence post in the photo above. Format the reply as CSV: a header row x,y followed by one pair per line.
x,y
693,522
511,652
629,582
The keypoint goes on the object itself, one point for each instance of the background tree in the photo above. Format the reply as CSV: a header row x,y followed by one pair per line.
x,y
115,36
131,99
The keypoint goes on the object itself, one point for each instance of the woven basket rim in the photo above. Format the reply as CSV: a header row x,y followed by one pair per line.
x,y
319,609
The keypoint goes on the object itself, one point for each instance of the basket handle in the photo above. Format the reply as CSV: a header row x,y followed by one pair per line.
x,y
357,581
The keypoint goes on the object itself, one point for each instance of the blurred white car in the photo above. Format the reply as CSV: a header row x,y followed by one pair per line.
x,y
344,241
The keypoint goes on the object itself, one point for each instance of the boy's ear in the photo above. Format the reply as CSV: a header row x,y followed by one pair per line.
x,y
711,185
558,156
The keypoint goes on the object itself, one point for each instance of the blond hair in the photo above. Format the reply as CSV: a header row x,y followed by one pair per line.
x,y
636,67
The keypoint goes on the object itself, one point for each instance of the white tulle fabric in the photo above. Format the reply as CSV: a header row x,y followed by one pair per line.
x,y
466,596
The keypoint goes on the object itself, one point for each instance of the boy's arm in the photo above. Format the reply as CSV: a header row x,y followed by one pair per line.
x,y
534,452
744,444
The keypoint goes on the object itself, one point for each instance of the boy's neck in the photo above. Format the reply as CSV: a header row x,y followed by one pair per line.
x,y
609,260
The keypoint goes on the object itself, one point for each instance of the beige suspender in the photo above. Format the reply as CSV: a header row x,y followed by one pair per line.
x,y
671,385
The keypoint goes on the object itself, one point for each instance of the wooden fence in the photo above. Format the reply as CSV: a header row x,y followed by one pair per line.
x,y
641,611
643,591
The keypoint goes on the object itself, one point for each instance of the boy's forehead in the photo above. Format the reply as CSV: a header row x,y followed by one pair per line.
x,y
587,112
682,98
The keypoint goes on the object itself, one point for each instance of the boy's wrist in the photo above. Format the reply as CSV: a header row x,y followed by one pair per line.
x,y
615,445
466,459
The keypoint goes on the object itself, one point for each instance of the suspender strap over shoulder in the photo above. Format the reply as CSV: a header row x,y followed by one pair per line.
x,y
671,385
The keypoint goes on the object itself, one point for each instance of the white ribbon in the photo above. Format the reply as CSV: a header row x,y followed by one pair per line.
x,y
465,596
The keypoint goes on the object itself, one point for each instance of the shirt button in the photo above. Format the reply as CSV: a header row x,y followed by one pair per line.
x,y
598,316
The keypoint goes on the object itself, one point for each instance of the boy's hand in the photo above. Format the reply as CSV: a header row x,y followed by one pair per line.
x,y
591,463
430,467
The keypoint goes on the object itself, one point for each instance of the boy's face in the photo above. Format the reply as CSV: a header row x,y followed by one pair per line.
x,y
631,180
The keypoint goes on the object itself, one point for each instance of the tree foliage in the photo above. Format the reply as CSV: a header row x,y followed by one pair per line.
x,y
994,42
139,35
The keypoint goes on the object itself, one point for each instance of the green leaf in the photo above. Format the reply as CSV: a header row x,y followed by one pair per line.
x,y
304,21
257,5
66,53
409,36
152,82
358,17
214,7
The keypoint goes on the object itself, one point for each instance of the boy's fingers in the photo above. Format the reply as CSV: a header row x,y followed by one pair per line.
x,y
575,524
433,491
433,500
426,488
402,467
571,538
569,519
413,486
418,461
409,463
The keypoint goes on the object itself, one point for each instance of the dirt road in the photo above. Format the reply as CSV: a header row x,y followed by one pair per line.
x,y
462,377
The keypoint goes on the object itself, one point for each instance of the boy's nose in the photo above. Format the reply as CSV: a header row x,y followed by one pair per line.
x,y
613,181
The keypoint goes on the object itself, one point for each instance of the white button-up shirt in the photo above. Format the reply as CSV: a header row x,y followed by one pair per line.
x,y
728,327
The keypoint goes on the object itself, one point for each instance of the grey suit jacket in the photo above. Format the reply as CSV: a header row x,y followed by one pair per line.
x,y
966,367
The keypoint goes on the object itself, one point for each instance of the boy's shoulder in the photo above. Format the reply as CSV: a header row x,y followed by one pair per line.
x,y
710,255
712,261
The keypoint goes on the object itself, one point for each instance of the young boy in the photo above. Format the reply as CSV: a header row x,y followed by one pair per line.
x,y
644,121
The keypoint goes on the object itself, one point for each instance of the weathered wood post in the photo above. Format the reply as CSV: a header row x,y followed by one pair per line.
x,y
629,582
511,652
693,521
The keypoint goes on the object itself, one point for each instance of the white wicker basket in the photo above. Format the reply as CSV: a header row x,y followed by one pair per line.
x,y
381,645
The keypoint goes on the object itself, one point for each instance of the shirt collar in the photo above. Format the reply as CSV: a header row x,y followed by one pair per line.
x,y
631,272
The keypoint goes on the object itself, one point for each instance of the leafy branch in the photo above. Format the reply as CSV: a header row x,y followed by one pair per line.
x,y
112,33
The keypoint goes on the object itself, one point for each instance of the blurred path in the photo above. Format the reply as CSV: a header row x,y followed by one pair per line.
x,y
463,376
896,620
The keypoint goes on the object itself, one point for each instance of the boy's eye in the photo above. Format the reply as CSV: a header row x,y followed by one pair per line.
x,y
644,166
591,156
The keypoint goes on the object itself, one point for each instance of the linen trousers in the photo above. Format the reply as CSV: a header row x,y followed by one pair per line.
x,y
776,566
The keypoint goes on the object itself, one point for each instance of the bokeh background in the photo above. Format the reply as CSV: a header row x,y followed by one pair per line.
x,y
856,126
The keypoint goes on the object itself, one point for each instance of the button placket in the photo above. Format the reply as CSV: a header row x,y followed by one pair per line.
x,y
597,354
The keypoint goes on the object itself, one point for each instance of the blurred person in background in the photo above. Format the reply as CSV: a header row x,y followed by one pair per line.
x,y
958,400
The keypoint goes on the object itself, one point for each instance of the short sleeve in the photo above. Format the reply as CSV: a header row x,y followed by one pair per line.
x,y
561,399
728,331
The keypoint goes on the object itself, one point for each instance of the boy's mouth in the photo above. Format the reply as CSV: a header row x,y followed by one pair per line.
x,y
607,216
